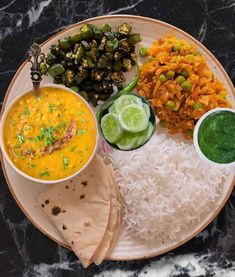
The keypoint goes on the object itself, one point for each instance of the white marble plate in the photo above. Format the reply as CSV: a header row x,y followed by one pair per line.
x,y
26,192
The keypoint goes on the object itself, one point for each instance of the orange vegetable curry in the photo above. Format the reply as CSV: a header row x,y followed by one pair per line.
x,y
50,137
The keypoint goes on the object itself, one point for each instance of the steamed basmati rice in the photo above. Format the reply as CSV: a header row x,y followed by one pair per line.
x,y
165,187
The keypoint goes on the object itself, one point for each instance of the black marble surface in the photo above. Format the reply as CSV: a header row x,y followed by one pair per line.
x,y
25,251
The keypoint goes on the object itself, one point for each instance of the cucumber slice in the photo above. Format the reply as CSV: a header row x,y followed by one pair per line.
x,y
141,137
147,109
111,109
133,118
149,133
111,128
125,100
127,141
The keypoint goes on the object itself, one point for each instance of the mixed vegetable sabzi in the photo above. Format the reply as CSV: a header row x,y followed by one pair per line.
x,y
92,61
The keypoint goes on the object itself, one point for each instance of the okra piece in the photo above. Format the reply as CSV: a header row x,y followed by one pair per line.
x,y
58,79
84,72
93,98
50,59
69,74
117,56
105,28
93,44
86,31
134,38
97,87
109,65
124,29
127,64
109,55
78,78
80,53
64,43
107,86
103,96
85,45
76,38
102,44
118,66
54,49
97,74
133,57
90,63
103,60
118,77
55,70
111,45
112,35
87,86
75,88
124,45
92,54
84,95
69,56
43,68
98,34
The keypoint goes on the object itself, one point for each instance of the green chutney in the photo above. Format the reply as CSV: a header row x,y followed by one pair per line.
x,y
216,137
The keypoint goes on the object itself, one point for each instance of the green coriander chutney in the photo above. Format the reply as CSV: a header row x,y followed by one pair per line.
x,y
216,137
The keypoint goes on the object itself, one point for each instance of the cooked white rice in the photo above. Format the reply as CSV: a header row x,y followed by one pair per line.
x,y
165,187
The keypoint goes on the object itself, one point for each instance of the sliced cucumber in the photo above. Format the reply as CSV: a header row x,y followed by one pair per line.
x,y
111,128
127,141
133,118
147,109
111,109
125,100
149,133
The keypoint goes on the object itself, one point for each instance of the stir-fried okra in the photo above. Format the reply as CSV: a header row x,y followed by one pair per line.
x,y
92,61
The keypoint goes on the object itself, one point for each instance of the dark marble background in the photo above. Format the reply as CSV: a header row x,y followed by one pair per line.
x,y
25,251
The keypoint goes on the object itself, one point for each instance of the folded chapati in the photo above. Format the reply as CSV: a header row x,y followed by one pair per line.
x,y
80,209
113,222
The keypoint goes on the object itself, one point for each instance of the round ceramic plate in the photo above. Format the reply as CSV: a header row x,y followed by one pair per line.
x,y
26,192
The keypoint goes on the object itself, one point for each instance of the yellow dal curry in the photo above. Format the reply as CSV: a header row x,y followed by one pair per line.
x,y
50,137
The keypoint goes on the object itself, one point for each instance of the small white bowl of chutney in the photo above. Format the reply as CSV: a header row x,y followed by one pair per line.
x,y
214,137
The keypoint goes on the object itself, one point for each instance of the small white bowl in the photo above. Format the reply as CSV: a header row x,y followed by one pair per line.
x,y
195,137
3,149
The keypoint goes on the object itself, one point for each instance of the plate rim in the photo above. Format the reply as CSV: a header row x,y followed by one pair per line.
x,y
146,19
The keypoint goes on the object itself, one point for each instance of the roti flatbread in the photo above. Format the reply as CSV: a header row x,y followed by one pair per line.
x,y
80,209
118,222
101,251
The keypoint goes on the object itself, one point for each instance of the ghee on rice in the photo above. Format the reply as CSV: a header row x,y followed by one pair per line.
x,y
165,187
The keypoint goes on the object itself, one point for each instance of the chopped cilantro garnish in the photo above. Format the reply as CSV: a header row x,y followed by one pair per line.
x,y
83,120
26,111
31,165
73,148
44,173
26,128
63,124
80,112
47,134
20,138
65,161
80,132
51,108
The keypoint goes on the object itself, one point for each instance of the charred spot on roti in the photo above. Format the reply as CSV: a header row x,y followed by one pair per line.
x,y
55,210
72,242
64,227
73,189
67,187
79,232
47,201
84,183
64,211
43,205
87,224
71,181
82,196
